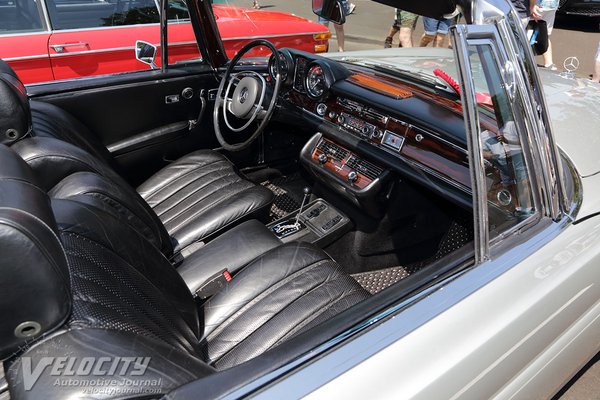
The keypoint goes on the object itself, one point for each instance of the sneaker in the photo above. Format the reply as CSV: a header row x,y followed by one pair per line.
x,y
551,67
256,5
351,8
388,43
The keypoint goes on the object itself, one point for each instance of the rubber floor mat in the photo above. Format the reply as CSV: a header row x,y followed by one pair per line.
x,y
288,195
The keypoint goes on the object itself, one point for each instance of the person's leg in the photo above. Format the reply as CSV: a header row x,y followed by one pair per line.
x,y
443,27
408,21
430,26
393,30
339,35
439,40
549,16
596,74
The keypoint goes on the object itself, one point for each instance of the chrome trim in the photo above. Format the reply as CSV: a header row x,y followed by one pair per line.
x,y
34,57
272,36
164,39
75,53
57,31
41,32
476,167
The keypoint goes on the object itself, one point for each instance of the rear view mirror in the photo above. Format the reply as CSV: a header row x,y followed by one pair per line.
x,y
146,53
331,10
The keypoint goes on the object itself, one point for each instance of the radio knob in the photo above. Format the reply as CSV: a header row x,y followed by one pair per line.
x,y
323,158
377,134
352,176
366,130
341,120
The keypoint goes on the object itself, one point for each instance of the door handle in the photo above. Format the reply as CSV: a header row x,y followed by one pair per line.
x,y
60,48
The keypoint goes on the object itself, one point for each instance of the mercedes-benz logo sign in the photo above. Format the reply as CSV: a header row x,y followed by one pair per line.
x,y
243,95
571,64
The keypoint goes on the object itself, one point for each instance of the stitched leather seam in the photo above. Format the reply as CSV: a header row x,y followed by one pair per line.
x,y
332,276
204,208
261,296
166,183
194,191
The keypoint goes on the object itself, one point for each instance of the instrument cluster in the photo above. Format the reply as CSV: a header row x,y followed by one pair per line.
x,y
310,77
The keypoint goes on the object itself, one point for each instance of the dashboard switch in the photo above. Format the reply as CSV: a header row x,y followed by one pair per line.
x,y
352,176
323,158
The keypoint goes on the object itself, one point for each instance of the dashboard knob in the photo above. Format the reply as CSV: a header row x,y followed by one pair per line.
x,y
377,134
366,130
352,176
341,119
323,158
321,109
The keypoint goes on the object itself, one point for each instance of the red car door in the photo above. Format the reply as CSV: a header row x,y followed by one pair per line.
x,y
24,40
97,37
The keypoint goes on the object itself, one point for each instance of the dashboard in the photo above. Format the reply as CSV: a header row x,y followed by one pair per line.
x,y
371,125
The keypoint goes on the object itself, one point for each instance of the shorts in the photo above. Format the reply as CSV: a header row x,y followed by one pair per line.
x,y
549,16
434,26
405,19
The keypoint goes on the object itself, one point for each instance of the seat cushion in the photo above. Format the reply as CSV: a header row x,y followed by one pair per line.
x,y
279,295
201,194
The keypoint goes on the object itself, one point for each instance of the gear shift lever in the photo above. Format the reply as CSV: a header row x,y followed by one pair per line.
x,y
295,227
307,192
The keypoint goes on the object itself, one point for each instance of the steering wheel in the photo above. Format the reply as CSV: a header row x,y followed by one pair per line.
x,y
247,102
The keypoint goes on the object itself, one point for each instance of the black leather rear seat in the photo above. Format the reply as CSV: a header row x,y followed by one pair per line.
x,y
105,290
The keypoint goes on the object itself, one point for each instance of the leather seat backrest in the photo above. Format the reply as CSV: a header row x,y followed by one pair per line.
x,y
15,114
68,172
34,278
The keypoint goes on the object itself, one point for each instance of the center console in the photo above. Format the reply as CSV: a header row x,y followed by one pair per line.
x,y
318,222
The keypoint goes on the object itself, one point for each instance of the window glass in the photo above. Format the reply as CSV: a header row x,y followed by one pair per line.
x,y
78,14
182,44
19,16
509,193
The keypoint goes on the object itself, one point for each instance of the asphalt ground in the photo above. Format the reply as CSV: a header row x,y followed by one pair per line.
x,y
368,26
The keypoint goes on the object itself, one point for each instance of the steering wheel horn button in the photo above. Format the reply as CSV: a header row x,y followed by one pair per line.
x,y
244,97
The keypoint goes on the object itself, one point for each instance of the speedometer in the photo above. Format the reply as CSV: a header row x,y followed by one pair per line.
x,y
315,81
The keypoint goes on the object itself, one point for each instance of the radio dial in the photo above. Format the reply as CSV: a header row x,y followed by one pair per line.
x,y
352,176
341,120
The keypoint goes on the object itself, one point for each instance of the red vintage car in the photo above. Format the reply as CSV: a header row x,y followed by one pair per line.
x,y
63,39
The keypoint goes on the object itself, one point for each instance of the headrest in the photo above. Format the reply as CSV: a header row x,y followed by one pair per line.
x,y
15,115
34,277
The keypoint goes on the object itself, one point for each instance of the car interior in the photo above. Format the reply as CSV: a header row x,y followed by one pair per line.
x,y
132,229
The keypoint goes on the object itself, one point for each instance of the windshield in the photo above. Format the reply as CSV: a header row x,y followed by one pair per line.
x,y
369,26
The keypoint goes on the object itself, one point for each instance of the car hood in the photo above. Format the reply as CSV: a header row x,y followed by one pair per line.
x,y
575,115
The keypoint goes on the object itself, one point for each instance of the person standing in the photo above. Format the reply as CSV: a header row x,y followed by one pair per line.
x,y
527,9
436,31
404,22
347,8
547,10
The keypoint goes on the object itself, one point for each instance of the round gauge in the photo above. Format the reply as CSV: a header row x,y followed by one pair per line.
x,y
283,66
315,81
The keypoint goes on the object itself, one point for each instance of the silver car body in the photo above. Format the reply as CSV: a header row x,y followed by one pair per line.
x,y
523,320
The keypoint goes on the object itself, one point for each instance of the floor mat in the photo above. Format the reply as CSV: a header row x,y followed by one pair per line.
x,y
288,194
375,281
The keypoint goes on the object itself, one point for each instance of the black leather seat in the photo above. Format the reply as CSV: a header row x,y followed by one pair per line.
x,y
103,290
196,197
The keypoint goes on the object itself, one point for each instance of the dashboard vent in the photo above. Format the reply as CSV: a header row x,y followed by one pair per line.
x,y
332,150
364,167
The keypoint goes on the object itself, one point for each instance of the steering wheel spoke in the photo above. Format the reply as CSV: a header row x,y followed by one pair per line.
x,y
243,95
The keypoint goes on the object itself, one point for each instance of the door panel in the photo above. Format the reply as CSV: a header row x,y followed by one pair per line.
x,y
142,116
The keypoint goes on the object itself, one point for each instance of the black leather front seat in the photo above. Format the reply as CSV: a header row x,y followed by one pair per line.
x,y
79,283
195,197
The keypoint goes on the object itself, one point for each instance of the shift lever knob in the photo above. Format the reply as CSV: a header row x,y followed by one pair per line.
x,y
307,191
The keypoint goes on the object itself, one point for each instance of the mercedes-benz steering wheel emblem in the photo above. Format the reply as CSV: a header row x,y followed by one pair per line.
x,y
571,64
244,95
